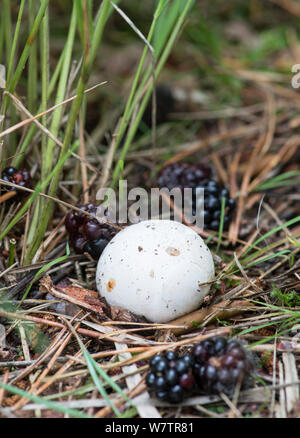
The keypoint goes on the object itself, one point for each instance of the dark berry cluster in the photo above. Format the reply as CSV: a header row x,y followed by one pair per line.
x,y
215,365
184,175
87,233
15,176
170,376
220,364
213,194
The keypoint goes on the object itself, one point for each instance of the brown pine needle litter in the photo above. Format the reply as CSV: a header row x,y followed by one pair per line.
x,y
63,350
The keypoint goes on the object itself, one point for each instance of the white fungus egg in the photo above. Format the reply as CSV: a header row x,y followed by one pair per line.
x,y
155,269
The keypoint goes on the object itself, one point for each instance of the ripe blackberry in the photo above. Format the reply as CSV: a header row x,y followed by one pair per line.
x,y
213,194
86,233
220,364
170,377
15,176
184,175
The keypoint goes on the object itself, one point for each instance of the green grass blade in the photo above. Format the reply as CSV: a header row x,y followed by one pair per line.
x,y
278,181
90,364
18,158
113,384
165,53
97,381
30,39
14,43
48,155
43,269
32,78
51,405
273,231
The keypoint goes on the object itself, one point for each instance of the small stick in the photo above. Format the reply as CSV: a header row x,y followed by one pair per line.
x,y
133,392
191,320
83,161
7,195
109,158
220,168
244,188
32,118
238,132
34,387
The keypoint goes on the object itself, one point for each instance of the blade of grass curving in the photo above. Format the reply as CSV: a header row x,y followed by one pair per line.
x,y
44,57
44,54
267,339
90,16
11,85
137,90
6,11
32,90
80,25
48,153
278,308
35,398
18,158
257,327
270,257
129,413
289,183
266,249
2,37
294,242
106,378
271,232
233,269
134,126
97,382
278,180
89,361
79,391
210,238
132,98
165,23
113,384
14,43
43,269
88,60
24,56
26,50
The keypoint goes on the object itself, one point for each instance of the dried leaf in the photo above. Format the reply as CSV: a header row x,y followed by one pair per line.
x,y
76,295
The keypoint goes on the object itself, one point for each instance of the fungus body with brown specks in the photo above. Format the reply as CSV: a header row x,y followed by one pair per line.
x,y
158,268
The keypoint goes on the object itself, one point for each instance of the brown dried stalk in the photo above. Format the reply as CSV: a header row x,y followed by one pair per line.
x,y
221,311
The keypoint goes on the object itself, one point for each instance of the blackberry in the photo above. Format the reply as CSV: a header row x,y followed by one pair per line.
x,y
213,194
86,233
220,364
184,175
170,377
15,176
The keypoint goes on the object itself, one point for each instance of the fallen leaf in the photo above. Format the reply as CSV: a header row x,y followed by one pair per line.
x,y
80,296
